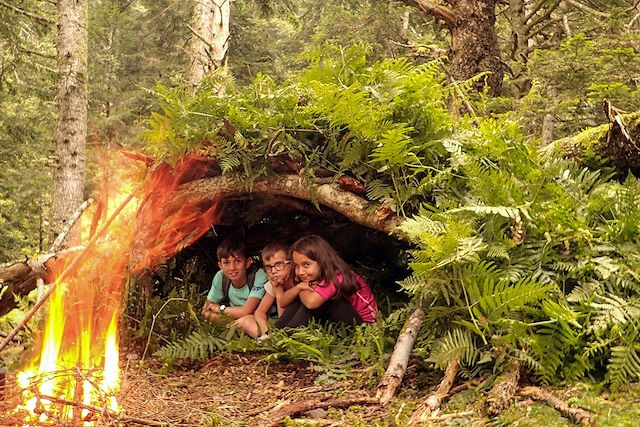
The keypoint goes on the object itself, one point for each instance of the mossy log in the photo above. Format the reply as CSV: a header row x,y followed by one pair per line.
x,y
614,144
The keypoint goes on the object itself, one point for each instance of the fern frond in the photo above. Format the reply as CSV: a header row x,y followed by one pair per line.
x,y
456,345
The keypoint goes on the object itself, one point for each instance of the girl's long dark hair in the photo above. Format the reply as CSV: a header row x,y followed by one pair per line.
x,y
316,248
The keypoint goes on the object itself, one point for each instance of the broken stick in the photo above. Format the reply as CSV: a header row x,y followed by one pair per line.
x,y
577,415
400,357
299,407
433,402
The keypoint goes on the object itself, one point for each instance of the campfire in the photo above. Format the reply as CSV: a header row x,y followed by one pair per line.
x,y
74,374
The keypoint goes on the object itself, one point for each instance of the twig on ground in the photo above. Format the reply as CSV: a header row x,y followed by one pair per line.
x,y
464,386
153,323
299,407
577,415
433,402
102,411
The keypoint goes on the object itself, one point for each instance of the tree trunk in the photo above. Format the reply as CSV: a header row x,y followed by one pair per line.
x,y
210,38
71,135
474,44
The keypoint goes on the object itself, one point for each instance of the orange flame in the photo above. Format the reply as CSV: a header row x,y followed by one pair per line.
x,y
77,362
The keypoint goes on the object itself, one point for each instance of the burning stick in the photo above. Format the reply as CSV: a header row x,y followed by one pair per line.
x,y
72,265
103,411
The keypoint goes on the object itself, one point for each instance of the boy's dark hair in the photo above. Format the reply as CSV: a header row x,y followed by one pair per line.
x,y
272,248
231,246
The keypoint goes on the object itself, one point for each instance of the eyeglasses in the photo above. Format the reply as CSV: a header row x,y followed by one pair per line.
x,y
277,266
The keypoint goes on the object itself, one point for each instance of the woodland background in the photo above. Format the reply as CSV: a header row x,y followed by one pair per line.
x,y
521,217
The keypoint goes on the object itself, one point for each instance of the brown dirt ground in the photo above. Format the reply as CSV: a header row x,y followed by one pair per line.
x,y
228,390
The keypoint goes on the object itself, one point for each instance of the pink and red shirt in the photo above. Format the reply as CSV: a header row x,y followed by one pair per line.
x,y
362,299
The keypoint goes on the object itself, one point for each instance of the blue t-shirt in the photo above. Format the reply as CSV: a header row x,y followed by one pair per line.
x,y
237,296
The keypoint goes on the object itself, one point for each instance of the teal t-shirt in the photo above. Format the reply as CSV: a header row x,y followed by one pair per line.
x,y
237,296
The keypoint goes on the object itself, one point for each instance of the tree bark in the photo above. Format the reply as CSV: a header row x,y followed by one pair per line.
x,y
210,38
474,44
400,357
71,135
355,208
504,389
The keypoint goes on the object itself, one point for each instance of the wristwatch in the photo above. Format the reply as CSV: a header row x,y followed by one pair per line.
x,y
222,308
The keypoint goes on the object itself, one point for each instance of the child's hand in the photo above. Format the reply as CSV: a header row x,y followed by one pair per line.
x,y
304,286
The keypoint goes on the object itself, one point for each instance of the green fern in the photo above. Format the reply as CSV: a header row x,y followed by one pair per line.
x,y
455,345
197,346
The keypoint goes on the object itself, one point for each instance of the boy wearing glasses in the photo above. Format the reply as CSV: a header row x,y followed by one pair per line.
x,y
237,289
279,289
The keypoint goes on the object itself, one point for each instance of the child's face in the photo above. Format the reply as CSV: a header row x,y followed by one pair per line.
x,y
307,269
278,267
235,268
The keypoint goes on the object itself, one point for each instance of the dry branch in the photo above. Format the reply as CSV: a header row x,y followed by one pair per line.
x,y
355,208
504,389
300,407
433,402
102,411
400,357
577,415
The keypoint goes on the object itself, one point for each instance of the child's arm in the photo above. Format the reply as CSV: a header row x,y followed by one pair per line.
x,y
284,298
248,308
263,308
211,308
309,298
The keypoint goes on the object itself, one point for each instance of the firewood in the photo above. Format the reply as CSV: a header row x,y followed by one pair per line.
x,y
109,413
577,415
432,404
400,357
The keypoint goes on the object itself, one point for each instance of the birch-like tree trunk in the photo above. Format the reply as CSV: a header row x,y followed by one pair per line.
x,y
71,135
210,38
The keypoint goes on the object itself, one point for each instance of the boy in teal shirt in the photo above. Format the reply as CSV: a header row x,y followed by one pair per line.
x,y
231,293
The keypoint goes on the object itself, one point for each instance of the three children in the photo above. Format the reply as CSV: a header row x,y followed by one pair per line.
x,y
327,289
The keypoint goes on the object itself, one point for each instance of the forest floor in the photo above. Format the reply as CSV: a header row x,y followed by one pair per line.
x,y
244,390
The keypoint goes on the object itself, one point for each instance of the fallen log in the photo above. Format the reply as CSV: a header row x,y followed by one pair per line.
x,y
21,277
276,416
577,415
504,389
352,206
614,144
432,404
400,357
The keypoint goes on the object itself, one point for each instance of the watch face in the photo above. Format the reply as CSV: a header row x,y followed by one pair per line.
x,y
223,307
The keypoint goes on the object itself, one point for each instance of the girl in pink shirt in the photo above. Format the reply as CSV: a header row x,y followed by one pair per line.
x,y
328,289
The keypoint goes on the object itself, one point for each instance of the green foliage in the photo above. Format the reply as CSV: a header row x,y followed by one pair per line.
x,y
199,345
383,124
